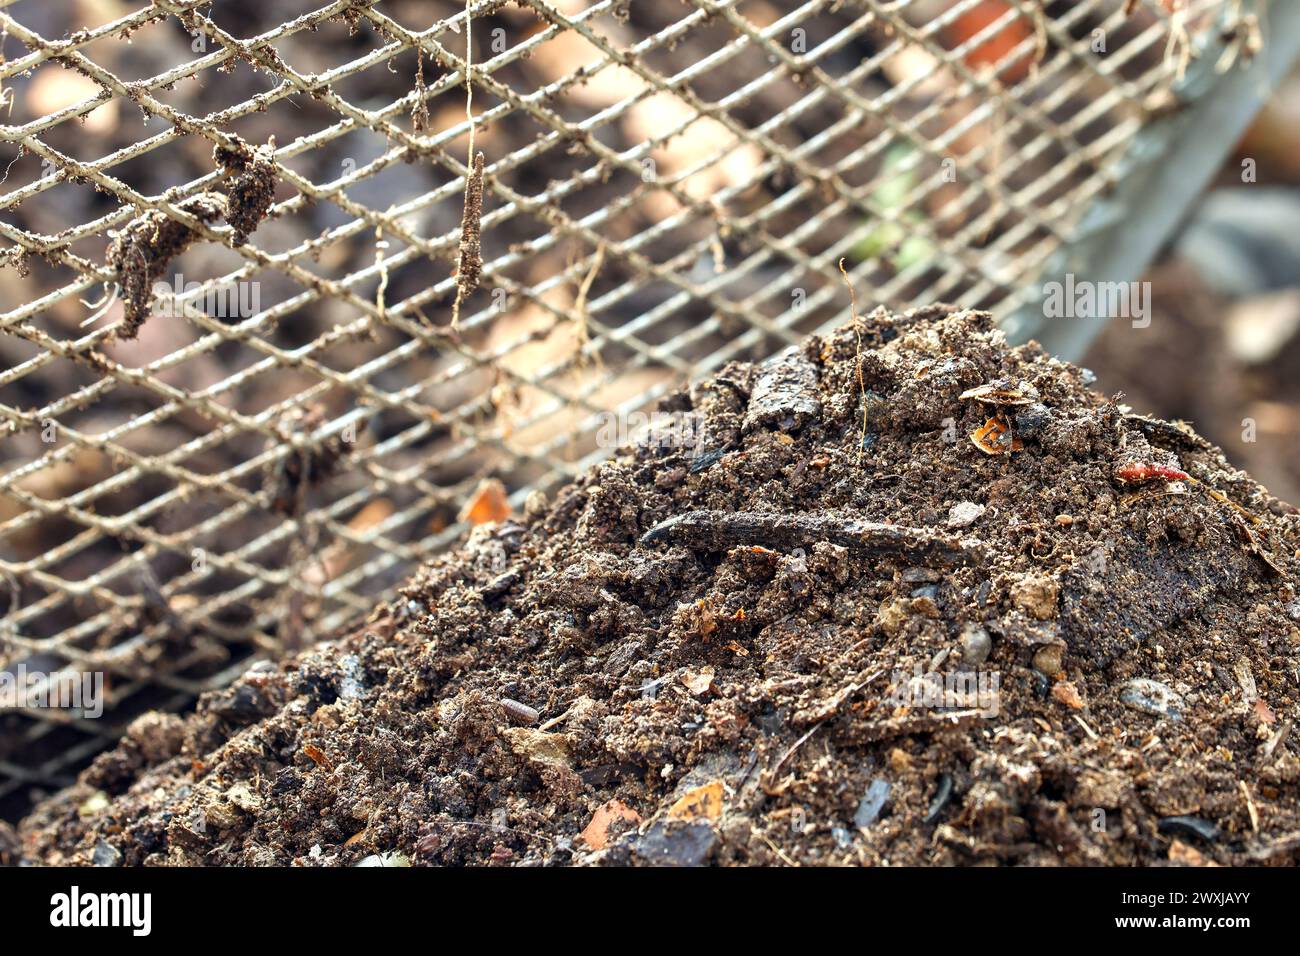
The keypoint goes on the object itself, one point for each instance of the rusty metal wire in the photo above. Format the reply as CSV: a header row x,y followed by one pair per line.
x,y
665,191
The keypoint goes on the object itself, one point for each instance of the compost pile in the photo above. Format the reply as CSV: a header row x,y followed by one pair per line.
x,y
901,595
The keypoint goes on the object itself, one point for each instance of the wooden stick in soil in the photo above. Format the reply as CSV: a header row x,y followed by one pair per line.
x,y
721,530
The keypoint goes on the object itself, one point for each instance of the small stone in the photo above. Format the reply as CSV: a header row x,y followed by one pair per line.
x,y
919,575
352,682
872,803
680,844
1183,855
596,833
1152,697
843,837
1036,595
1049,658
106,855
535,503
1031,422
964,513
976,645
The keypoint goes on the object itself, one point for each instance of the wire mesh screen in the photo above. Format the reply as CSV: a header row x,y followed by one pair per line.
x,y
264,348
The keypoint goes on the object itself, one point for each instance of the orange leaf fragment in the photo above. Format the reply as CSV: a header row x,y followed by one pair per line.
x,y
317,756
596,833
995,437
488,503
704,802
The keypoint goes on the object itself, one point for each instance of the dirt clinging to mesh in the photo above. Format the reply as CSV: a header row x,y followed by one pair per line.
x,y
804,620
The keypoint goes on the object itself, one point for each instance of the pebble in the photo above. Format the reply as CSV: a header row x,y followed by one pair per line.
x,y
352,684
686,844
976,645
535,503
1049,658
1188,826
1152,697
1067,694
872,803
964,513
106,855
843,837
1031,422
917,575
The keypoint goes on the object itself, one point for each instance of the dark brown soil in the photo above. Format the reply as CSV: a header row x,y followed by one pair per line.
x,y
728,687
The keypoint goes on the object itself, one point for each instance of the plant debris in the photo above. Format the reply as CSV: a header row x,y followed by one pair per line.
x,y
143,250
252,187
788,656
469,261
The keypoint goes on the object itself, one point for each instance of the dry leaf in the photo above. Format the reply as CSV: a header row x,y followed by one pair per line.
x,y
317,756
699,682
487,504
701,803
995,437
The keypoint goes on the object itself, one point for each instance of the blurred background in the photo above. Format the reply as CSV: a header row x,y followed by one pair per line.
x,y
1223,349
